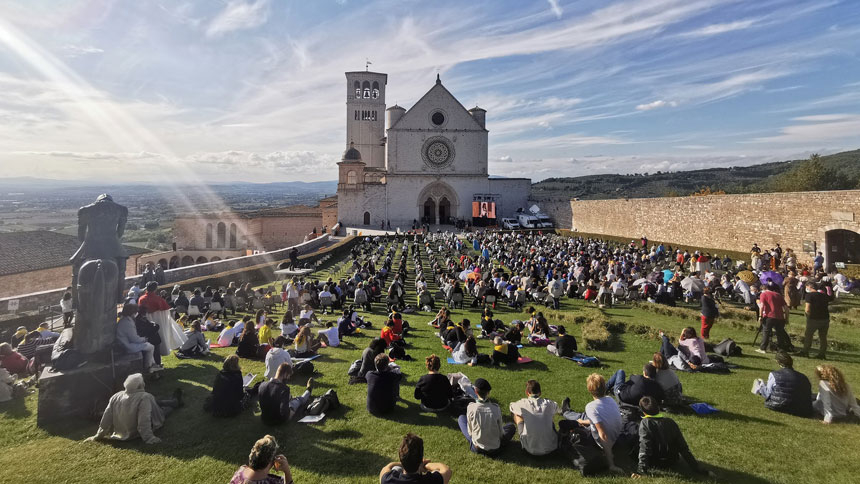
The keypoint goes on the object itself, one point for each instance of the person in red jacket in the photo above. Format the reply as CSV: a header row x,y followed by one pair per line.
x,y
14,362
388,333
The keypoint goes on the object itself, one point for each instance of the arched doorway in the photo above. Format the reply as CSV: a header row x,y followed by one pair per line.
x,y
215,259
187,261
201,260
438,203
366,218
428,216
444,210
174,262
842,246
162,263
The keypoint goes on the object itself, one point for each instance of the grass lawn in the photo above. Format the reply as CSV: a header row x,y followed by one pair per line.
x,y
744,442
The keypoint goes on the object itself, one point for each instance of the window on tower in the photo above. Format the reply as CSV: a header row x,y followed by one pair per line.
x,y
373,115
356,115
375,93
357,88
366,87
351,178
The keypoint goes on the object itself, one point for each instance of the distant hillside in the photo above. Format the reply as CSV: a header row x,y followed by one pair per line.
x,y
843,169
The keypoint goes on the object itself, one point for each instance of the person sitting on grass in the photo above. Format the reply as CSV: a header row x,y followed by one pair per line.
x,y
383,387
413,468
515,332
307,316
482,424
134,413
276,406
601,415
14,362
229,334
195,345
442,318
564,346
692,346
288,326
467,352
368,357
661,441
668,380
264,335
433,389
264,457
835,401
305,346
229,395
786,390
330,336
504,352
276,357
533,417
631,391
249,343
345,326
388,335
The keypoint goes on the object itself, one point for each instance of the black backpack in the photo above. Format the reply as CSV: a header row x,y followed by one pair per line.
x,y
727,347
397,353
577,443
320,405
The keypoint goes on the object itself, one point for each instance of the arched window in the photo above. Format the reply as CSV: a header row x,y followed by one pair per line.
x,y
351,178
187,261
201,260
366,218
375,93
366,87
221,235
208,236
232,236
357,90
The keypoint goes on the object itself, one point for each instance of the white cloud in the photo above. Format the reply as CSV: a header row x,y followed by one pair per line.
x,y
239,15
72,51
656,104
722,28
92,155
818,128
556,9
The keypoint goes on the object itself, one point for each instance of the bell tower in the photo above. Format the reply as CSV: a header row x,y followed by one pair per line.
x,y
365,115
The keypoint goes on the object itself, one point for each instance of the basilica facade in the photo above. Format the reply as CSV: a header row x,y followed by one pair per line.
x,y
426,164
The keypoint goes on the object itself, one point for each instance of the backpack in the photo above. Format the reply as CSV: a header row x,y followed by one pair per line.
x,y
577,444
397,353
303,368
586,361
328,401
727,347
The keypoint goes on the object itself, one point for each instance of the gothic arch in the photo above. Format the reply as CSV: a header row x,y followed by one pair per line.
x,y
221,235
440,194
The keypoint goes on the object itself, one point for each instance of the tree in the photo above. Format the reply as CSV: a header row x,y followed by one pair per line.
x,y
810,175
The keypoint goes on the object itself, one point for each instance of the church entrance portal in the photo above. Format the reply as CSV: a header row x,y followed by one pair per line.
x,y
429,215
437,204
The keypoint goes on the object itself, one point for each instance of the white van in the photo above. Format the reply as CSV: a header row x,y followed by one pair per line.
x,y
510,224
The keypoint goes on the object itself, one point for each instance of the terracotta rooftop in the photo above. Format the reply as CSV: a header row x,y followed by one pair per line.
x,y
40,249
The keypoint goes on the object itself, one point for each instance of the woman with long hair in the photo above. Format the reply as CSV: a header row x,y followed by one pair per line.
x,y
305,344
693,347
835,400
249,343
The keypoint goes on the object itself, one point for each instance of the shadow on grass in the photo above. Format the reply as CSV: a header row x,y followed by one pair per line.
x,y
16,408
409,412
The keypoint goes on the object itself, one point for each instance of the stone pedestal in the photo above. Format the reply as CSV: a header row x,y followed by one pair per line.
x,y
83,392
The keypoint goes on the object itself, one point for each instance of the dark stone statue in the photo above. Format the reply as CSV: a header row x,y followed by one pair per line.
x,y
98,273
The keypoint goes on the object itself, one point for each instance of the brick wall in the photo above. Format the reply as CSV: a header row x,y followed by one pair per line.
x,y
732,222
557,209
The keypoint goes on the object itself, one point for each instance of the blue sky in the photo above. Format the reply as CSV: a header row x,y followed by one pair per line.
x,y
254,89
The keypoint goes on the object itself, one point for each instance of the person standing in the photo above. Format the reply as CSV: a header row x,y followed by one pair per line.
x,y
817,319
774,313
709,312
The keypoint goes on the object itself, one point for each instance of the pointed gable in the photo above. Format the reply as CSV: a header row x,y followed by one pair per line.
x,y
438,98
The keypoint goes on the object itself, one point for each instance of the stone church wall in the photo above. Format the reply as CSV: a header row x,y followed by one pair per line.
x,y
732,222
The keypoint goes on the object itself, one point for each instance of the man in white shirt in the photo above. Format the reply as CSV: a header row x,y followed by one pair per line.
x,y
533,417
482,425
331,335
601,415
